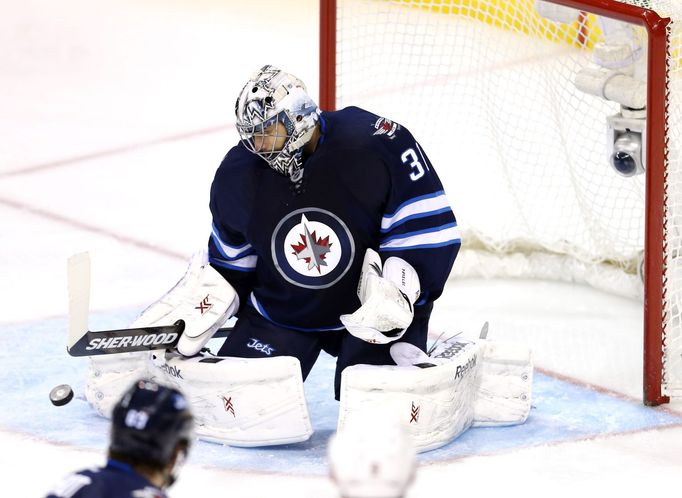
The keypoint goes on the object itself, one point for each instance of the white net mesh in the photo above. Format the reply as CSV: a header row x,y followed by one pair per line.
x,y
487,87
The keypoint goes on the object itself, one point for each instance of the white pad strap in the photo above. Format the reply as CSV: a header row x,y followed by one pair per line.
x,y
202,298
241,401
110,375
505,385
436,403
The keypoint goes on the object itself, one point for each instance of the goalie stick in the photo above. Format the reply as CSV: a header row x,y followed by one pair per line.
x,y
85,342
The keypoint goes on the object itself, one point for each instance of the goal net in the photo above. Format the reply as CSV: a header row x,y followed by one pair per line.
x,y
555,128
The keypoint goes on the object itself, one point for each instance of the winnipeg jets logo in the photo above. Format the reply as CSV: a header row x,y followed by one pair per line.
x,y
311,249
312,246
384,126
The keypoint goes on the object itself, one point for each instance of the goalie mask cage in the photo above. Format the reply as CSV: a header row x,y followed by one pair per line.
x,y
490,87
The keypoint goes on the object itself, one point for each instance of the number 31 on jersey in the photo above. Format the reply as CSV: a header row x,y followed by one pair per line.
x,y
411,158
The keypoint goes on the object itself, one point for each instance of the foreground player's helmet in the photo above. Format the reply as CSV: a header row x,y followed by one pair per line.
x,y
376,460
272,96
149,422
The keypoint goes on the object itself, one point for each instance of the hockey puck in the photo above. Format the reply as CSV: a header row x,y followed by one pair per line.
x,y
61,395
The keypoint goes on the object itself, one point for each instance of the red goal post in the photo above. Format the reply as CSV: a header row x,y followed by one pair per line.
x,y
658,214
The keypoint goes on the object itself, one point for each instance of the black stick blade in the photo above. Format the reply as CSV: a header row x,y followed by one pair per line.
x,y
127,340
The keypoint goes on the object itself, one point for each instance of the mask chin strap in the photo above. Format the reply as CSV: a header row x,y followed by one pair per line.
x,y
302,140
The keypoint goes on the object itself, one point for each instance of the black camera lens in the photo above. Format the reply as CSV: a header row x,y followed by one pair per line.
x,y
624,163
627,154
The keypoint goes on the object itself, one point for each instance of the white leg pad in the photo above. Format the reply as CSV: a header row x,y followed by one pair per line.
x,y
241,401
436,404
109,376
505,384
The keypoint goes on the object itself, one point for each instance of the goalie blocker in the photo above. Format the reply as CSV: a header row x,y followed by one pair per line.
x,y
185,318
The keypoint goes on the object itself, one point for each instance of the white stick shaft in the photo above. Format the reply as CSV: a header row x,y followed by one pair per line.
x,y
78,276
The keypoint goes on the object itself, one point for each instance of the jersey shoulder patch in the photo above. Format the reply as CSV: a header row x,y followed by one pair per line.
x,y
385,127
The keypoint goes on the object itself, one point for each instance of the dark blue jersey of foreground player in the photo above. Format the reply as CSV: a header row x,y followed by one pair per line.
x,y
116,480
295,254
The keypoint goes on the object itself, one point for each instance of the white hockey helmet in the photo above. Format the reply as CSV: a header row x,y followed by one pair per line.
x,y
272,96
376,460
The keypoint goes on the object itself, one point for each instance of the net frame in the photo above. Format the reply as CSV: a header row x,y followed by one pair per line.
x,y
656,197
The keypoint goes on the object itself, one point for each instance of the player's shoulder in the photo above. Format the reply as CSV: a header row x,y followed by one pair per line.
x,y
236,181
104,482
237,166
365,129
351,114
78,484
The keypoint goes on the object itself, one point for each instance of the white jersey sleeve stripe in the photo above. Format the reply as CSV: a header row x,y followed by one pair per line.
x,y
247,263
226,250
435,237
419,207
413,217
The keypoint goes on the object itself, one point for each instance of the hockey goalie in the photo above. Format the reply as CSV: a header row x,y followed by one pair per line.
x,y
437,395
331,232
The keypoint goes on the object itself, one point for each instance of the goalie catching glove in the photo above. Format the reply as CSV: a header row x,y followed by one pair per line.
x,y
387,296
203,299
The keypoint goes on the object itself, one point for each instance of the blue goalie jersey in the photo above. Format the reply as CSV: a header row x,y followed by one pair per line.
x,y
116,480
294,253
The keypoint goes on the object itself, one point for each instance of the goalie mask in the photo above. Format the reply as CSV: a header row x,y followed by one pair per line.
x,y
270,97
